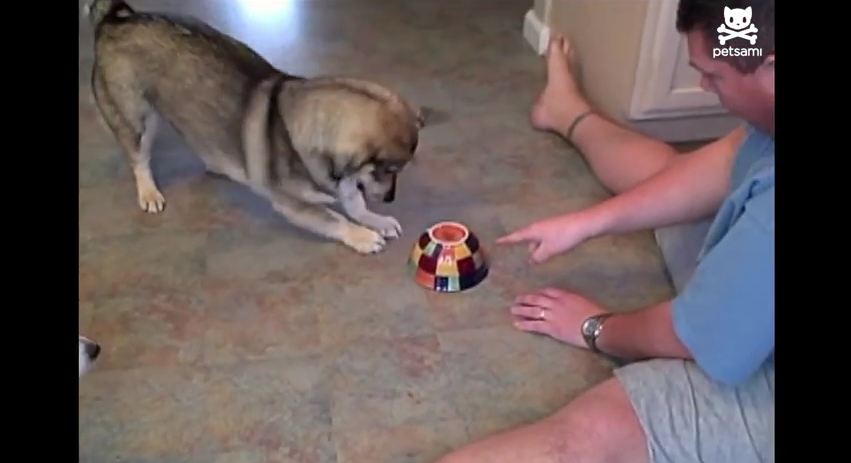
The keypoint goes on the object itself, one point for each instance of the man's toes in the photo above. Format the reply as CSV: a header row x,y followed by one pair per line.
x,y
564,46
555,40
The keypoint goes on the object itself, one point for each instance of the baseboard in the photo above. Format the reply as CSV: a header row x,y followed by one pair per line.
x,y
686,129
536,32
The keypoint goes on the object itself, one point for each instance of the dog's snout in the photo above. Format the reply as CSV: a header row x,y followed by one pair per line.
x,y
93,350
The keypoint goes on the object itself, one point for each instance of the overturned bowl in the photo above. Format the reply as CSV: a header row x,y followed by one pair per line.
x,y
448,258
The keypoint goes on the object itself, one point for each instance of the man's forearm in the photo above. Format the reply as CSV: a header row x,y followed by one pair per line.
x,y
643,334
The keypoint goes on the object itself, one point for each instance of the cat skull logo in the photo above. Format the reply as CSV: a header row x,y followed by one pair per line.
x,y
737,24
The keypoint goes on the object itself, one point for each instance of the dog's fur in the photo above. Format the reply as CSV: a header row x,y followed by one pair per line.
x,y
89,352
302,143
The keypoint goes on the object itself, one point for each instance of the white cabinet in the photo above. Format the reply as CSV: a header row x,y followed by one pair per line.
x,y
665,84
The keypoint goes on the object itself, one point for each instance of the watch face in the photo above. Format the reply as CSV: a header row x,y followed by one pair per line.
x,y
588,329
588,326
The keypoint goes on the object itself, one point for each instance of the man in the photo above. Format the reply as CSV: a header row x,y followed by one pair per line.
x,y
701,384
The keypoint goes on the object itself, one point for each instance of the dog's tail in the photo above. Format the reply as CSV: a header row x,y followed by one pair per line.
x,y
98,10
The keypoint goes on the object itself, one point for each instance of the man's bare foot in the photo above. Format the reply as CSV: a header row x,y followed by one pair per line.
x,y
561,101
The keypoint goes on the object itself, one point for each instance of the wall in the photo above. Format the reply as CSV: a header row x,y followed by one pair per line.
x,y
606,35
542,10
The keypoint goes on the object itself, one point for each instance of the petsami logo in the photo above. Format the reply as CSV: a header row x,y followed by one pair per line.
x,y
737,25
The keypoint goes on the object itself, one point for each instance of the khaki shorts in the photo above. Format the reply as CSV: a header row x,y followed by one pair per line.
x,y
688,417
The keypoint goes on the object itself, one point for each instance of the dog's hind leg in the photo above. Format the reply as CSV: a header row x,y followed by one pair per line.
x,y
134,125
330,224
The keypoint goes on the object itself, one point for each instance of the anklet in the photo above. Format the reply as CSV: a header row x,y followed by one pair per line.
x,y
575,122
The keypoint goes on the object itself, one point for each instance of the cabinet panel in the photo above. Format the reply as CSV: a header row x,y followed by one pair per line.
x,y
685,76
665,84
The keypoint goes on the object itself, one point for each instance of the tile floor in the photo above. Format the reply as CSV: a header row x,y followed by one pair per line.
x,y
229,336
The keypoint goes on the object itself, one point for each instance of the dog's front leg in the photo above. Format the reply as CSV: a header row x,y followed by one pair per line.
x,y
328,223
355,206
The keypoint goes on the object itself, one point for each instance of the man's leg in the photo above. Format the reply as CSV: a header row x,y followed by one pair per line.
x,y
619,157
599,426
680,245
661,411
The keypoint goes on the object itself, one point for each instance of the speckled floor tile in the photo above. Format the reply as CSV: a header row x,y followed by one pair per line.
x,y
389,382
180,414
85,315
142,264
217,322
502,371
412,443
350,313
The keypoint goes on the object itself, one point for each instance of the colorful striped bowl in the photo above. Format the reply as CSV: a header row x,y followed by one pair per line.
x,y
448,258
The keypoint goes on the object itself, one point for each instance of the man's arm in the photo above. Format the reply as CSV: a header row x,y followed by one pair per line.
x,y
724,319
643,334
691,188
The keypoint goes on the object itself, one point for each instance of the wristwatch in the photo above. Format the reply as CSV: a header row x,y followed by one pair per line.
x,y
591,329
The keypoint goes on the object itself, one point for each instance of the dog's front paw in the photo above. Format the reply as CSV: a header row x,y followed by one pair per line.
x,y
363,240
151,200
385,225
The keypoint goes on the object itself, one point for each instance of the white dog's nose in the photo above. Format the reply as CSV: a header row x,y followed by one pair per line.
x,y
92,350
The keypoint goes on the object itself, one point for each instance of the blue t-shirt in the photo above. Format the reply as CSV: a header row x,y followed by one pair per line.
x,y
725,314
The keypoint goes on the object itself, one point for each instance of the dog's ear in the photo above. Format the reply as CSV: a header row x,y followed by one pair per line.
x,y
421,117
430,116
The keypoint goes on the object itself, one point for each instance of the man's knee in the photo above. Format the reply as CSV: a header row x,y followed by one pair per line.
x,y
602,422
598,426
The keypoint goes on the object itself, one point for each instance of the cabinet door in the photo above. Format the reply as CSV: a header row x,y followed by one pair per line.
x,y
665,85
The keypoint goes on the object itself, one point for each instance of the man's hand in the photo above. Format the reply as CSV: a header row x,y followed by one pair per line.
x,y
552,236
640,334
554,312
